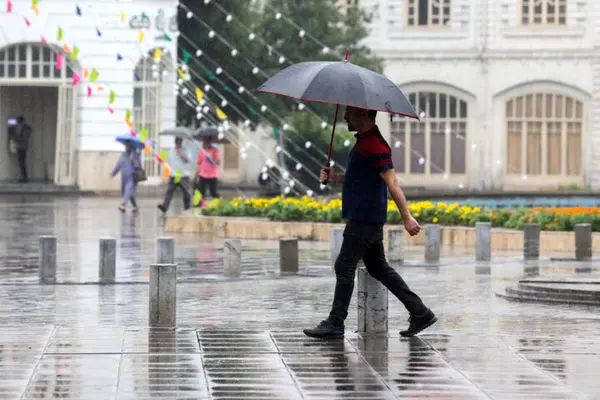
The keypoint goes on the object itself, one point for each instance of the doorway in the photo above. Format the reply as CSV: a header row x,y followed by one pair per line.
x,y
39,106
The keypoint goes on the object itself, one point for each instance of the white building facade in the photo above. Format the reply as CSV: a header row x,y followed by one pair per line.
x,y
73,134
508,90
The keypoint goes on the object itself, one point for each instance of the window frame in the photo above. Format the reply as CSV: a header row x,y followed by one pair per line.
x,y
531,24
429,26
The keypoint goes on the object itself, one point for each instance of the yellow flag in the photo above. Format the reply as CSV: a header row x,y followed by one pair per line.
x,y
181,73
199,94
141,37
221,114
122,16
157,54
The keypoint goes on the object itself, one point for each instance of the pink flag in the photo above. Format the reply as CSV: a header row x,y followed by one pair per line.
x,y
76,78
132,131
8,6
27,22
43,40
59,61
111,110
89,91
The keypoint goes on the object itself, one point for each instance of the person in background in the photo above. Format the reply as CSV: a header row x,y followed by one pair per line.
x,y
21,139
208,161
127,164
179,161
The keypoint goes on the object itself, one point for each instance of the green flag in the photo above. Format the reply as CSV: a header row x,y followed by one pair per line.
x,y
111,98
252,111
210,75
275,131
143,134
145,16
168,38
94,75
197,198
163,155
59,35
74,53
186,56
227,89
128,115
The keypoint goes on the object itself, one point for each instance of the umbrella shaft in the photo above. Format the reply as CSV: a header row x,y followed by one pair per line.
x,y
337,109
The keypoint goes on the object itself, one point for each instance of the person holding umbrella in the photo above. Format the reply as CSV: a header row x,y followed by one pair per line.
x,y
129,165
208,161
369,172
179,160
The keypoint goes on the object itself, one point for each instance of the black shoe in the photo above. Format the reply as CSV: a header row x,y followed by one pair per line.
x,y
325,330
419,323
162,208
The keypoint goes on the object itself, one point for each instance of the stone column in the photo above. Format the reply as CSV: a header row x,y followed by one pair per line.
x,y
395,251
432,242
288,256
372,304
583,242
483,241
337,237
108,260
531,242
163,296
47,269
232,258
165,250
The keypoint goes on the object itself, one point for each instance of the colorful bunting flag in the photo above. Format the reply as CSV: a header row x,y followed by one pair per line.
x,y
9,6
167,38
36,11
111,110
163,154
137,76
27,22
143,134
132,131
76,78
59,35
157,55
75,53
209,74
89,91
220,114
111,97
59,61
197,197
43,40
252,111
186,56
227,89
98,32
66,48
128,115
147,148
94,76
140,37
199,94
122,16
86,73
145,16
100,88
34,3
119,57
181,73
275,131
78,10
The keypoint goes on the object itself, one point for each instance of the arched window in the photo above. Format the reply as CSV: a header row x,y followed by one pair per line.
x,y
147,102
544,135
33,61
437,143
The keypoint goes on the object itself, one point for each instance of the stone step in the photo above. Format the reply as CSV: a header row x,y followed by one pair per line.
x,y
579,291
513,294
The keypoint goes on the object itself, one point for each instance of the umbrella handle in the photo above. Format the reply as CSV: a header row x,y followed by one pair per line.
x,y
328,163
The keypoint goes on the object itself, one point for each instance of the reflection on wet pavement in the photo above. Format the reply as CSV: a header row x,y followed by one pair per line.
x,y
242,338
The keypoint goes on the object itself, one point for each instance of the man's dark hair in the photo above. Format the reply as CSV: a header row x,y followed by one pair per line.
x,y
20,119
372,114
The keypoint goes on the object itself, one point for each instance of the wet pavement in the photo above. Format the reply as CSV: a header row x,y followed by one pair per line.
x,y
241,338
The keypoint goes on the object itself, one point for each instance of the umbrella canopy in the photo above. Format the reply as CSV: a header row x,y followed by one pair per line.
x,y
135,141
340,83
180,131
211,132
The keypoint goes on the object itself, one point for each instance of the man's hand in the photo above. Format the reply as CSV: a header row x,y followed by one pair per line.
x,y
326,175
412,226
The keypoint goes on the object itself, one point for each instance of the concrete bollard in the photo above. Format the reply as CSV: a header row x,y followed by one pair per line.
x,y
337,237
583,242
165,250
163,296
396,245
232,258
433,237
288,256
108,260
372,304
483,241
47,271
531,242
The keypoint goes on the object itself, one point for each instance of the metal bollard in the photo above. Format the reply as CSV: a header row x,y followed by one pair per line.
x,y
108,260
288,256
47,271
483,241
163,296
583,242
432,242
165,250
372,304
396,245
531,242
337,237
232,258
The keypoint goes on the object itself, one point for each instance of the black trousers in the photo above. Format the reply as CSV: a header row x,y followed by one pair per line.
x,y
184,186
211,183
22,157
365,241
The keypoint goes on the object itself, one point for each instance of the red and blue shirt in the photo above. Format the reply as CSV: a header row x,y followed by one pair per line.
x,y
364,193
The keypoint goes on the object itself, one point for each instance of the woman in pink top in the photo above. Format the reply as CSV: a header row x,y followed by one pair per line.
x,y
209,159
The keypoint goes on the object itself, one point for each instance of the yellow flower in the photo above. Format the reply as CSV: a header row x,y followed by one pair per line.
x,y
435,220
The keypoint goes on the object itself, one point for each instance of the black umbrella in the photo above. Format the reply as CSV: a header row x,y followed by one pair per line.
x,y
210,132
340,83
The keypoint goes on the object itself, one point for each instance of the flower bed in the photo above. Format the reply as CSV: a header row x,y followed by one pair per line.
x,y
310,209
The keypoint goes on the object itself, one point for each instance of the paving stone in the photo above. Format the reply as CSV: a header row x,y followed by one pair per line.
x,y
86,340
148,340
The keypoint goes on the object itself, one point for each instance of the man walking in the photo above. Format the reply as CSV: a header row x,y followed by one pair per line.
x,y
21,139
369,171
179,161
